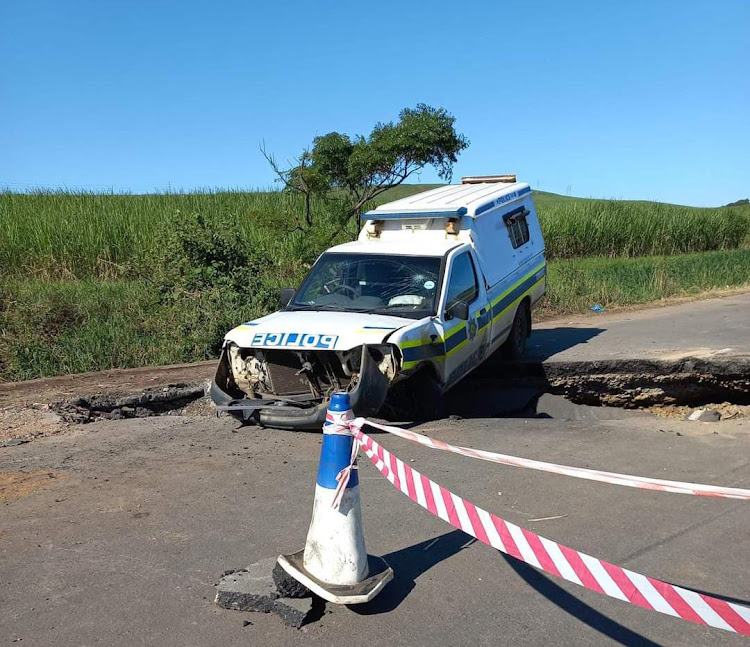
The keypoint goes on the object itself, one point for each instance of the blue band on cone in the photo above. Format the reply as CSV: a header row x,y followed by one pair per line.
x,y
335,455
336,452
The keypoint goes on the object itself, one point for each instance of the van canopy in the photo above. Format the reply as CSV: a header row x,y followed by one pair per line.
x,y
452,201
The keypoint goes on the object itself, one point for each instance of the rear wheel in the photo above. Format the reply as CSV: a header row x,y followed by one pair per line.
x,y
515,345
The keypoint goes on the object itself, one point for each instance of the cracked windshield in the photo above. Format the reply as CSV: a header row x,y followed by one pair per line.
x,y
405,285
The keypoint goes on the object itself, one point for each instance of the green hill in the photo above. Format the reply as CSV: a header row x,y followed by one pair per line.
x,y
85,235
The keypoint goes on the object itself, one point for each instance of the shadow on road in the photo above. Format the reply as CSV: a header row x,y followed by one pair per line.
x,y
502,389
549,341
576,608
486,392
408,564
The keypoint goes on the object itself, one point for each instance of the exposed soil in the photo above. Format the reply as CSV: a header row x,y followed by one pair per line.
x,y
171,399
40,419
635,384
14,485
30,422
115,381
726,411
585,390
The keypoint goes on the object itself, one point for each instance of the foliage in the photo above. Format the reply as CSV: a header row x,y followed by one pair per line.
x,y
352,171
575,284
578,227
90,281
207,278
739,203
55,327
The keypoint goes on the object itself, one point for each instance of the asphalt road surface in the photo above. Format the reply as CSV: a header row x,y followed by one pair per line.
x,y
124,544
116,532
698,328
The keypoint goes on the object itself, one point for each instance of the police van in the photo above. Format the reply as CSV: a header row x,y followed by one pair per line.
x,y
435,284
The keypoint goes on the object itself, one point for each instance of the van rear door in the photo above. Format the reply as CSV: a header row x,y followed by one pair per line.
x,y
511,247
517,228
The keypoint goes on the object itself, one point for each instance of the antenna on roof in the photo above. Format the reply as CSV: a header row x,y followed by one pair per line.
x,y
481,179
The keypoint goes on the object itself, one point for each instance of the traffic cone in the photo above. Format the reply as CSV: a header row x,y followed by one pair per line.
x,y
334,563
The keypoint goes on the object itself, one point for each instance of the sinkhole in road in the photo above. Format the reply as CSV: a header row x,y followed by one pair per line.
x,y
565,390
600,389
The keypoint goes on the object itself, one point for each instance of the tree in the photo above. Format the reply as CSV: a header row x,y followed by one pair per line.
x,y
352,171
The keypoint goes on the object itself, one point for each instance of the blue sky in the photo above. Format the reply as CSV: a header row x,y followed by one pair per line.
x,y
637,99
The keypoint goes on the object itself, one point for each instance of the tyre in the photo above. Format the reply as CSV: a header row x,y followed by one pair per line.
x,y
426,396
515,345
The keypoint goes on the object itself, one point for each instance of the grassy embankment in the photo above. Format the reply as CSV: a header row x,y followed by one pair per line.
x,y
76,270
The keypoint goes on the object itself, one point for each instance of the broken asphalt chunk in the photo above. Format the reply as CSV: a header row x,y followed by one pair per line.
x,y
254,589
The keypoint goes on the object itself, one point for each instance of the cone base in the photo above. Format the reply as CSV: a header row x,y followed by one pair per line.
x,y
379,574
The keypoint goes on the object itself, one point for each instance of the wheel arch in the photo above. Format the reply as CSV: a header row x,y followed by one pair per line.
x,y
526,303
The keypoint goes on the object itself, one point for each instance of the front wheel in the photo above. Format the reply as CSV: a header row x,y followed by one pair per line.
x,y
515,345
418,398
428,401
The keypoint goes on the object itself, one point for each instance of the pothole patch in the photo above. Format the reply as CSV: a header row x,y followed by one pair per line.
x,y
173,399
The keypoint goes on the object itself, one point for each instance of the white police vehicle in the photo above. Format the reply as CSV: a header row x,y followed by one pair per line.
x,y
434,285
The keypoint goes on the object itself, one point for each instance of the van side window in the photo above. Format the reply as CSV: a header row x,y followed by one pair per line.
x,y
463,282
518,228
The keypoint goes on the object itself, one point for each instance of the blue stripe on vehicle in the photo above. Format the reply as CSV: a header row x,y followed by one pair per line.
x,y
458,334
501,333
516,292
510,197
484,319
455,339
427,351
484,207
401,215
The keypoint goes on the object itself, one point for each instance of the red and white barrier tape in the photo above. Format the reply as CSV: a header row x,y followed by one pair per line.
x,y
551,557
642,482
342,478
340,423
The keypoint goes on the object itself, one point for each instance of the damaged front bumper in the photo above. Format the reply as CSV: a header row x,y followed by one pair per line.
x,y
306,411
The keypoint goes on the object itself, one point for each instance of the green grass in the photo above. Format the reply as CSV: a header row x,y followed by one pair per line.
x,y
576,284
85,235
575,227
77,270
57,327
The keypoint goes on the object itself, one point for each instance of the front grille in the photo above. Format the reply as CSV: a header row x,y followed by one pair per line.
x,y
282,369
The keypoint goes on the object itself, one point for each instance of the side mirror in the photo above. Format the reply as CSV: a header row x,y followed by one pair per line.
x,y
287,294
459,310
